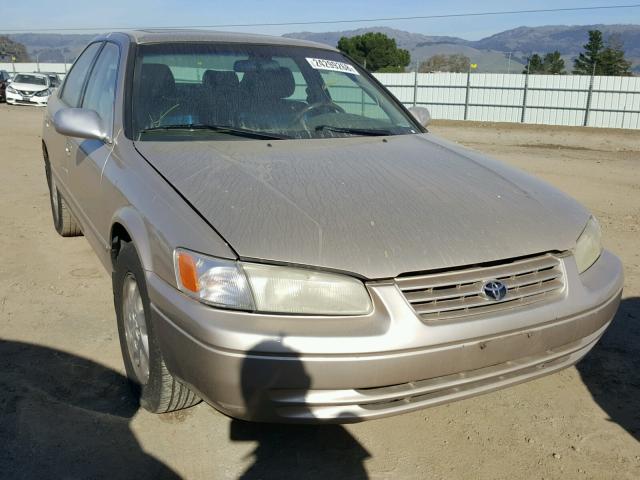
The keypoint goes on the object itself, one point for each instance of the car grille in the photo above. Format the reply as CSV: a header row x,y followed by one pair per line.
x,y
459,293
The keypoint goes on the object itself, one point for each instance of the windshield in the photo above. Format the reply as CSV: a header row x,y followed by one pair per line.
x,y
30,79
185,91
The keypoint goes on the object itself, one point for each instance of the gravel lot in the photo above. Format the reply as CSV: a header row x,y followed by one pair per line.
x,y
65,411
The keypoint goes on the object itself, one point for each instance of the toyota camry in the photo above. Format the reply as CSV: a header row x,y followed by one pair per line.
x,y
289,243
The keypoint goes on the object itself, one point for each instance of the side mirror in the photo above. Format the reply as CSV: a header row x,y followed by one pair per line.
x,y
422,115
80,123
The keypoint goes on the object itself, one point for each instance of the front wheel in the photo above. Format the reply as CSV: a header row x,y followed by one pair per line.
x,y
159,391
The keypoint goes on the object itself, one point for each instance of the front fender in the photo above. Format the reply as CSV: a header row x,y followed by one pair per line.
x,y
131,220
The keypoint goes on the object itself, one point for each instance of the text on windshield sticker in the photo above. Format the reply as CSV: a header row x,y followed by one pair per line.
x,y
321,64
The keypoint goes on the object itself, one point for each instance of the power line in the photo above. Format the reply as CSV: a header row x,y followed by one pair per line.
x,y
329,22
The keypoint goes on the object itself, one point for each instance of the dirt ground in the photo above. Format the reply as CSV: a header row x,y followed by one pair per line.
x,y
65,410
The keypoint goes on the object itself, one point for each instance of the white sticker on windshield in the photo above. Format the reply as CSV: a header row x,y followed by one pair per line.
x,y
322,64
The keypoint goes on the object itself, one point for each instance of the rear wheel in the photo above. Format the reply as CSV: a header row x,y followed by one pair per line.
x,y
63,220
159,391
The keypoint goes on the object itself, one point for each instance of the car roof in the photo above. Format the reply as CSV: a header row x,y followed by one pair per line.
x,y
161,36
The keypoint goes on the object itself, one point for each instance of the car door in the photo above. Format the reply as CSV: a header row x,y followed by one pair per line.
x,y
90,156
58,146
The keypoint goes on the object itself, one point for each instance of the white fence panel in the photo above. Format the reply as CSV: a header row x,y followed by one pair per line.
x,y
433,87
612,102
60,68
557,99
495,97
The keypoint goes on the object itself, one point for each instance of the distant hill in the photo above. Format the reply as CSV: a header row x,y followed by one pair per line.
x,y
422,47
404,39
568,39
491,53
53,47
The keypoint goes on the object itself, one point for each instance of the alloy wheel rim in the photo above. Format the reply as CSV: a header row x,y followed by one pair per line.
x,y
135,328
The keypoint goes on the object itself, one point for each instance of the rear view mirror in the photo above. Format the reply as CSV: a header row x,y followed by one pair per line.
x,y
80,123
422,115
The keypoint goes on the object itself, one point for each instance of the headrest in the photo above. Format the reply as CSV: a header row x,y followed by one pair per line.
x,y
215,79
157,80
269,83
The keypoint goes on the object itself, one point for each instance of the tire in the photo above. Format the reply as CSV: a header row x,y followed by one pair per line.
x,y
159,392
63,220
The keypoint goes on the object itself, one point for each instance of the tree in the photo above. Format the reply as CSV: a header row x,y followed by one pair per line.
x,y
601,59
551,64
587,62
456,62
376,51
10,50
612,59
534,64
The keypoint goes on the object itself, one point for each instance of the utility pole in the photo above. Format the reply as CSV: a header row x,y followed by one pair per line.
x,y
509,63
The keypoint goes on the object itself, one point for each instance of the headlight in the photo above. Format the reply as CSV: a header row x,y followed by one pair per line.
x,y
268,288
44,93
11,89
589,245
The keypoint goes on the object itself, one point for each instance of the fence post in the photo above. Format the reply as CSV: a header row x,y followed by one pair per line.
x,y
415,88
466,96
523,116
587,108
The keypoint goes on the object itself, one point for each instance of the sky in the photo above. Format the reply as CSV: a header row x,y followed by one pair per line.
x,y
32,15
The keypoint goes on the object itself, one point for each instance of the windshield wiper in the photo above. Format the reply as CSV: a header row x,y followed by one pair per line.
x,y
240,132
355,131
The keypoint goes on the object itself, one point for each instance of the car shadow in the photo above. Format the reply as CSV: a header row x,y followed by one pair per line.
x,y
292,451
62,416
611,371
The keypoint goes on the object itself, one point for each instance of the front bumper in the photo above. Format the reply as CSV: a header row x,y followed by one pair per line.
x,y
310,369
17,99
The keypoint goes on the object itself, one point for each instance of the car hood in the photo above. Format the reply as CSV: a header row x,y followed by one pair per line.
x,y
367,205
28,87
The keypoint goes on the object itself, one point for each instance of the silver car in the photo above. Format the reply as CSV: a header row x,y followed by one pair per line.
x,y
289,243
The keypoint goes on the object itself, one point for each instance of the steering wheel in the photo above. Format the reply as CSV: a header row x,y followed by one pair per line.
x,y
301,116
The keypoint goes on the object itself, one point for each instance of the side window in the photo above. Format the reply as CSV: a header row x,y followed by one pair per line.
x,y
101,88
77,75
